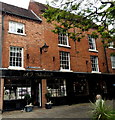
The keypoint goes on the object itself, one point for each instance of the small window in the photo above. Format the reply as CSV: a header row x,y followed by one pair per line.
x,y
92,44
111,45
94,63
113,61
64,60
16,28
16,57
63,39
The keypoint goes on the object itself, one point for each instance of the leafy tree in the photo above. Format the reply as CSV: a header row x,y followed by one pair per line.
x,y
77,16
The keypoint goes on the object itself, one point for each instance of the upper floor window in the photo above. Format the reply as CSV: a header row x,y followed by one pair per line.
x,y
16,28
64,60
111,45
113,61
92,44
94,63
16,57
63,40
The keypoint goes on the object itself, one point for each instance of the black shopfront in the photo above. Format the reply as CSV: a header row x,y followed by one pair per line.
x,y
65,87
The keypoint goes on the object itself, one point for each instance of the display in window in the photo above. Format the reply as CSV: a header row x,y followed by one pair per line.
x,y
56,87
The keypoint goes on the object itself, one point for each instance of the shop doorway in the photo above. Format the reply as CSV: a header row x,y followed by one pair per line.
x,y
36,93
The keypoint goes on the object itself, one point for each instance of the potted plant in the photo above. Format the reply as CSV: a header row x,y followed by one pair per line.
x,y
101,111
48,105
29,106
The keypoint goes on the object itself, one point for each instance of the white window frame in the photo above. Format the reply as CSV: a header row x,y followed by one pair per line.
x,y
94,63
14,26
111,45
14,57
92,43
113,62
64,62
63,40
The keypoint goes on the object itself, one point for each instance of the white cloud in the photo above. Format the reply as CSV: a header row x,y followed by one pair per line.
x,y
21,3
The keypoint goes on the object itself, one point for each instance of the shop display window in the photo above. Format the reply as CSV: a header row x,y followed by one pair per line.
x,y
81,87
16,92
57,87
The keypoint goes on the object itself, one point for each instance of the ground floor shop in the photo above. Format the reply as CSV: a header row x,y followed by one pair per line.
x,y
64,87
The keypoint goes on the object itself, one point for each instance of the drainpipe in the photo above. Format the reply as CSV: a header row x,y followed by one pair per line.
x,y
106,60
1,34
1,49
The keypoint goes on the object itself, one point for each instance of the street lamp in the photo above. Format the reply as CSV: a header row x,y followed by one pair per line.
x,y
44,48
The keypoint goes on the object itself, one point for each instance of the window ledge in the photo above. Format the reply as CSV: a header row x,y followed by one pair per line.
x,y
16,68
91,50
67,46
112,48
113,67
95,72
62,70
17,33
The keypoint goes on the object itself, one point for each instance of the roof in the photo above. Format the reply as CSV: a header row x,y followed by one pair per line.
x,y
17,11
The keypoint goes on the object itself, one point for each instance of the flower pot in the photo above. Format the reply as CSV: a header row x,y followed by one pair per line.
x,y
28,108
48,106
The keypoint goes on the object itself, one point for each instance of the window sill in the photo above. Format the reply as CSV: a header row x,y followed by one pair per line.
x,y
63,70
111,48
16,68
66,46
91,50
95,72
17,33
113,68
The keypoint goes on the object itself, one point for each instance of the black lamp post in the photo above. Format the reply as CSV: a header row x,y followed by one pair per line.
x,y
44,48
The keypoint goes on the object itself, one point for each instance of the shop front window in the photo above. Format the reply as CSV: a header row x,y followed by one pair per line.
x,y
16,93
57,87
81,87
16,89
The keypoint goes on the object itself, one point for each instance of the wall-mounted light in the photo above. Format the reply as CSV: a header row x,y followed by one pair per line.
x,y
44,48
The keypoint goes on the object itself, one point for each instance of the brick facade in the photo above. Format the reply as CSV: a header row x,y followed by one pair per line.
x,y
79,55
36,34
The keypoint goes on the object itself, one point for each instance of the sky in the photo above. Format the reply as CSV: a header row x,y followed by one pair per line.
x,y
21,3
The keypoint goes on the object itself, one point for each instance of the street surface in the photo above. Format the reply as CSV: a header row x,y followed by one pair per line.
x,y
79,111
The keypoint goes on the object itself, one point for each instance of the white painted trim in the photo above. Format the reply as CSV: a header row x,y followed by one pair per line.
x,y
93,50
36,15
61,45
16,68
17,33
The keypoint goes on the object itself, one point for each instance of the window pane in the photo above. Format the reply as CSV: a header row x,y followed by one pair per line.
x,y
19,28
12,26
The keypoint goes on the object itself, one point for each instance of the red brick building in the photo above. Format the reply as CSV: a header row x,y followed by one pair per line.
x,y
68,69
